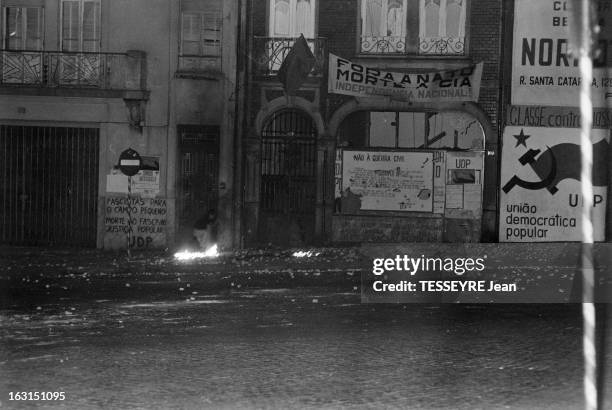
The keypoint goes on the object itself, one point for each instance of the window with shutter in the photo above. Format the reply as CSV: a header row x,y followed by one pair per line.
x,y
80,33
23,28
211,35
81,25
201,32
91,26
191,34
34,29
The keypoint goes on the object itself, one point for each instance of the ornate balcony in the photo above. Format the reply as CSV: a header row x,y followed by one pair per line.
x,y
383,45
53,69
269,53
442,45
390,45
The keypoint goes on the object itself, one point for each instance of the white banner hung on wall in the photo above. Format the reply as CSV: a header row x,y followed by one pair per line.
x,y
387,181
349,78
540,199
543,72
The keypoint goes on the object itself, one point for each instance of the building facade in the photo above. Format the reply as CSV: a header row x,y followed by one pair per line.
x,y
323,166
84,80
193,87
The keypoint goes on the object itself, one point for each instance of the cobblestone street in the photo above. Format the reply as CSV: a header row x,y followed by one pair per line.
x,y
146,333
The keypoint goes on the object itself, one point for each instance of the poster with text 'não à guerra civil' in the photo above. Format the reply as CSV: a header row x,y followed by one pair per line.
x,y
387,181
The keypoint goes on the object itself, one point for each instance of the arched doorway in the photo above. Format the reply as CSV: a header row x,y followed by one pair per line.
x,y
288,178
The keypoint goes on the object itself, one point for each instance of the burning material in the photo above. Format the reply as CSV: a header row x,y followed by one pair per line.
x,y
305,254
186,255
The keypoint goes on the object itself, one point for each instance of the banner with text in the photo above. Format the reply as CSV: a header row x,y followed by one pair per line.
x,y
540,184
543,71
348,78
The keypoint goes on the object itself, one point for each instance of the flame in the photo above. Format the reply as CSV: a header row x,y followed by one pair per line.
x,y
307,254
212,252
186,255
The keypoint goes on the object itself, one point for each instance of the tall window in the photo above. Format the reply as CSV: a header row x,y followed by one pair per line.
x,y
23,28
81,25
383,26
201,29
442,26
201,34
290,18
440,29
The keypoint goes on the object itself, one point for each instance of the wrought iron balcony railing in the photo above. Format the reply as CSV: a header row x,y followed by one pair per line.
x,y
383,44
442,45
427,45
269,53
70,69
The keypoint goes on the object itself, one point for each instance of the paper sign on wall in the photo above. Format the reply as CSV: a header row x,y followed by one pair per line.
x,y
464,181
145,183
387,181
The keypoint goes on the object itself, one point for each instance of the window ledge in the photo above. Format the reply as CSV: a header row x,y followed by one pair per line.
x,y
413,63
74,92
204,74
415,57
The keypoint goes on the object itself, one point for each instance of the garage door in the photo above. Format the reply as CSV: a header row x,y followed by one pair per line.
x,y
48,185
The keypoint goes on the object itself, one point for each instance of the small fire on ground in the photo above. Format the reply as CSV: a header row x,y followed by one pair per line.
x,y
305,254
211,252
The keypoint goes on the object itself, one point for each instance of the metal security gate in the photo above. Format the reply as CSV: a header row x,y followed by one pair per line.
x,y
288,178
48,185
199,175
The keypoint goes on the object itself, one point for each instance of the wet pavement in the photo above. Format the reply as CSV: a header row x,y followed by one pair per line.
x,y
147,333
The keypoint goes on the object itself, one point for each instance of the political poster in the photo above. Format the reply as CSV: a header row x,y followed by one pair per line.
x,y
543,70
359,80
464,174
387,181
147,219
540,198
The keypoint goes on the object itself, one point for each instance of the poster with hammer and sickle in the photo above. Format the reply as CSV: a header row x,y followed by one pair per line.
x,y
540,198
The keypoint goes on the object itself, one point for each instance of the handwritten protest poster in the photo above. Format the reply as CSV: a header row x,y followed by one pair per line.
x,y
388,181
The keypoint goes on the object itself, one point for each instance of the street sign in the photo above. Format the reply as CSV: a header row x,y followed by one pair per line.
x,y
129,162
